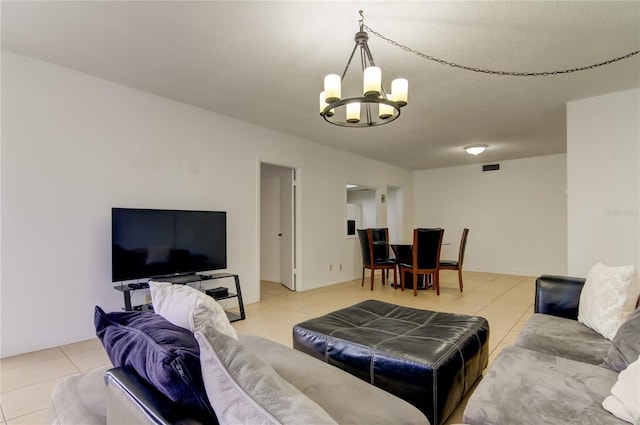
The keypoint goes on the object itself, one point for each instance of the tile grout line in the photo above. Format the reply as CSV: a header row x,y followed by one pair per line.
x,y
26,414
4,415
35,362
8,419
64,355
71,360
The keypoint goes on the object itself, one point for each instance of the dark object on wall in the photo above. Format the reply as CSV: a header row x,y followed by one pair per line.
x,y
351,227
150,243
491,167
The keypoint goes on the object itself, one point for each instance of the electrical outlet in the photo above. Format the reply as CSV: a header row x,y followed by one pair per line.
x,y
147,299
330,267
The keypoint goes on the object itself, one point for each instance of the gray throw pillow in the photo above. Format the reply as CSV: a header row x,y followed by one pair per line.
x,y
625,346
244,389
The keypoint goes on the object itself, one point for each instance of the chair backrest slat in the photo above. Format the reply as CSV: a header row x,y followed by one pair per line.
x,y
364,246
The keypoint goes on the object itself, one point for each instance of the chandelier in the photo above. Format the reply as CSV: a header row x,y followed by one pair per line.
x,y
376,106
380,107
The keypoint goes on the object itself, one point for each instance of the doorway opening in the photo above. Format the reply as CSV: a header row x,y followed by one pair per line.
x,y
278,225
361,208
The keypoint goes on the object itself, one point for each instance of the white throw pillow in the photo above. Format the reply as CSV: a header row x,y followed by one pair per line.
x,y
624,401
189,308
608,297
244,389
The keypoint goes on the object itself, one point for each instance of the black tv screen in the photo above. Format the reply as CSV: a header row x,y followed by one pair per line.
x,y
150,243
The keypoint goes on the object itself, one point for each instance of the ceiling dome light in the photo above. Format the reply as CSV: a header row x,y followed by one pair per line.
x,y
475,149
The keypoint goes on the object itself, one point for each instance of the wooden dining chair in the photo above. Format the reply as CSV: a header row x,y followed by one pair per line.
x,y
373,256
457,265
426,258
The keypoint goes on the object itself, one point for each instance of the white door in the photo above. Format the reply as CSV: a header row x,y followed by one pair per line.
x,y
287,226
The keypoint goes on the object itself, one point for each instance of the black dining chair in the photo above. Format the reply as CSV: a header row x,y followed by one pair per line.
x,y
376,256
453,264
380,238
426,258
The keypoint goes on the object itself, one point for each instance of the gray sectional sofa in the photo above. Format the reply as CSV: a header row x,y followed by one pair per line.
x,y
120,396
559,371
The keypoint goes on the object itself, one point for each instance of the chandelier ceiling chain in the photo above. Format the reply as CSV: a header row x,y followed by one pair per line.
x,y
494,72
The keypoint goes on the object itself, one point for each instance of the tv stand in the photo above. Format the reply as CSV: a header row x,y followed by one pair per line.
x,y
127,289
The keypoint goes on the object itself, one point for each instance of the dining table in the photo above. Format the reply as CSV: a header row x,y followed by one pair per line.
x,y
403,253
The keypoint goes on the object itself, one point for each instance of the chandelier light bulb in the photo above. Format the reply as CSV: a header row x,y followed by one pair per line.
x,y
372,81
353,112
400,91
324,104
385,111
332,88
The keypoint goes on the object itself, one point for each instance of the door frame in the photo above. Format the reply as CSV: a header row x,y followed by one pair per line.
x,y
295,219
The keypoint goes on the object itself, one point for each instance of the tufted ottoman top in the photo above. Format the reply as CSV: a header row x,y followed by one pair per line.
x,y
431,359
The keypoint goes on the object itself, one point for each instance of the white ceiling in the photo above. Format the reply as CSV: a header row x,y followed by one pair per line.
x,y
264,62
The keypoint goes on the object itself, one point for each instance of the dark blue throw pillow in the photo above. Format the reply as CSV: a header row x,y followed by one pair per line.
x,y
165,355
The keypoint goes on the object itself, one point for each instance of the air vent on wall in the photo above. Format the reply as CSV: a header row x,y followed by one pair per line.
x,y
491,167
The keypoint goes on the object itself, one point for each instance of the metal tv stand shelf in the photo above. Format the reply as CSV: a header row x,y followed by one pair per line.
x,y
128,288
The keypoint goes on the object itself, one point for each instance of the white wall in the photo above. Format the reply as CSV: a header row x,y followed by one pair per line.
x,y
74,146
516,216
395,214
603,161
367,199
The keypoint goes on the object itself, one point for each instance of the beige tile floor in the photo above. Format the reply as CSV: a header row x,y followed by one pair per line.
x,y
506,301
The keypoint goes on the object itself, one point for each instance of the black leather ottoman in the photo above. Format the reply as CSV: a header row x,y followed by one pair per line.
x,y
427,358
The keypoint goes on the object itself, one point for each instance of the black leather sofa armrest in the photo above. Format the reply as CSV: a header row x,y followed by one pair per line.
x,y
558,295
133,400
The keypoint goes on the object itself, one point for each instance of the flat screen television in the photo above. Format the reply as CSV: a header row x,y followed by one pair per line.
x,y
150,243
